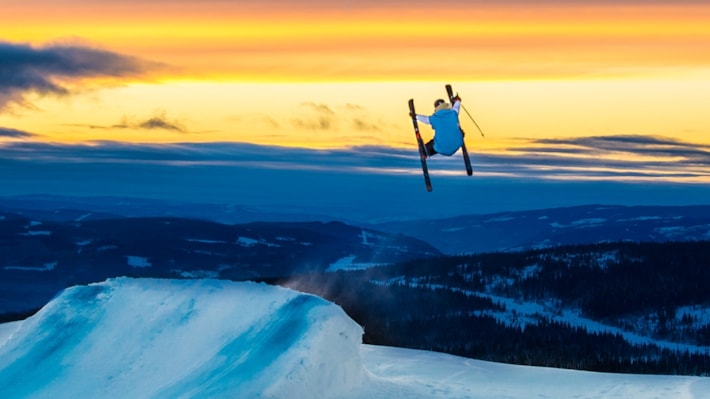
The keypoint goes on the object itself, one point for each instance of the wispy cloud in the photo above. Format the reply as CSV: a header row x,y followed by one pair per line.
x,y
48,70
613,158
316,116
365,126
159,121
622,157
215,154
630,144
14,133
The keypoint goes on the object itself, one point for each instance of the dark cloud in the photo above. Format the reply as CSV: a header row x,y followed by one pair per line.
x,y
621,150
46,70
573,159
625,143
368,182
157,122
15,134
610,158
316,117
160,123
271,122
320,123
362,125
217,154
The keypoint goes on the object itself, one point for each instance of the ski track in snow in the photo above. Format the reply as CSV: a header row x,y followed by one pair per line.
x,y
152,338
348,263
137,261
519,313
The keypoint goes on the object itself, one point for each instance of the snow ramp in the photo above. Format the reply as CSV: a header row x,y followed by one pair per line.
x,y
153,338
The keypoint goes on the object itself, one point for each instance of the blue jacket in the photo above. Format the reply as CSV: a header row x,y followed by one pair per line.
x,y
447,133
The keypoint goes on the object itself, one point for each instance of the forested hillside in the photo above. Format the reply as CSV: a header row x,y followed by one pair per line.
x,y
40,258
605,307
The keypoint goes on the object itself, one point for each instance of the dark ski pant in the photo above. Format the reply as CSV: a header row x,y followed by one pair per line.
x,y
429,146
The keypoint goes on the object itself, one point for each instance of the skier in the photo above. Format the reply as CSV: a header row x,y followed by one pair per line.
x,y
448,136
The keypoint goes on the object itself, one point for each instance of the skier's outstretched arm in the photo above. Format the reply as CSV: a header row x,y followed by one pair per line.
x,y
423,119
457,105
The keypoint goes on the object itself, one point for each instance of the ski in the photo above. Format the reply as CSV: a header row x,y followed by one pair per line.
x,y
420,144
464,152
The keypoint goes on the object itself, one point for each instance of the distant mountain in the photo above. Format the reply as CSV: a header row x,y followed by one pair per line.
x,y
38,258
63,209
558,226
473,233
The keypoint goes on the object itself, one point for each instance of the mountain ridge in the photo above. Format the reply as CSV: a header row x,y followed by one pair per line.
x,y
466,233
38,258
541,228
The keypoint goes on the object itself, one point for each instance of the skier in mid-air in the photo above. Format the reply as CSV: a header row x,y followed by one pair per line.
x,y
448,136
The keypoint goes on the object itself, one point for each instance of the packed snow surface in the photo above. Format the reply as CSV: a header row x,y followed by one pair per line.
x,y
151,338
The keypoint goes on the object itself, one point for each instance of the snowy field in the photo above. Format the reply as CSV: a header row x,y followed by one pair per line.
x,y
151,338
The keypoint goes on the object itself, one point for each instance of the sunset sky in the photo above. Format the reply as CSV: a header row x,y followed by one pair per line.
x,y
575,90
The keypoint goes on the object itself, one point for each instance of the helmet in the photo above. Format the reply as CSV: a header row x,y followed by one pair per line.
x,y
438,102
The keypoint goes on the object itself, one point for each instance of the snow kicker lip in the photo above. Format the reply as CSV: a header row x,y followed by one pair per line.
x,y
166,338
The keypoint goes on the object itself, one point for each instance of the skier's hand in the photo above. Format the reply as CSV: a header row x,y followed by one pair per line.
x,y
455,98
412,115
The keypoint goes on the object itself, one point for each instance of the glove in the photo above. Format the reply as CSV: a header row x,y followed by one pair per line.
x,y
413,115
456,98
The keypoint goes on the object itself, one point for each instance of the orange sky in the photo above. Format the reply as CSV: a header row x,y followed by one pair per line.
x,y
349,41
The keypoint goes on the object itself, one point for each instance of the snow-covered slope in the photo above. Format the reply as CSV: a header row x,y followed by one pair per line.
x,y
145,338
129,338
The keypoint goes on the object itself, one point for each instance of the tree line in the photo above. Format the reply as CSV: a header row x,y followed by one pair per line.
x,y
426,304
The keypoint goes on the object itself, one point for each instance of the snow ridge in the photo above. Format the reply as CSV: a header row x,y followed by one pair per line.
x,y
164,338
